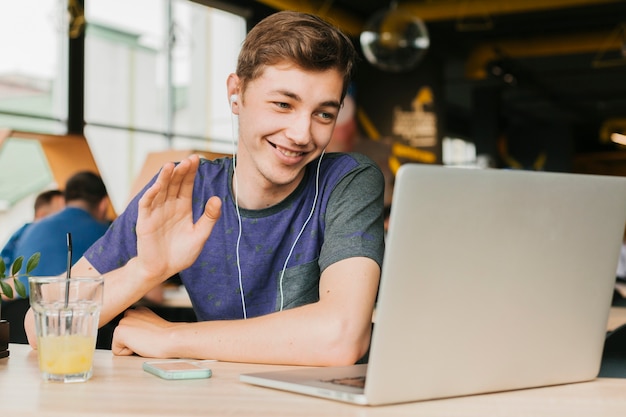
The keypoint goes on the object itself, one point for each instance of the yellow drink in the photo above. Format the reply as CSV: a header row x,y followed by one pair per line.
x,y
69,354
66,320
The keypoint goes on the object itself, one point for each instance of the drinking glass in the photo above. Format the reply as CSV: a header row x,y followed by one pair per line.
x,y
66,313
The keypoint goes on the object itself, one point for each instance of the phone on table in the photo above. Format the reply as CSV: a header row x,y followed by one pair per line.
x,y
178,369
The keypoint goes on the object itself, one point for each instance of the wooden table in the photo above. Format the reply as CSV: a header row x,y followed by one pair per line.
x,y
120,387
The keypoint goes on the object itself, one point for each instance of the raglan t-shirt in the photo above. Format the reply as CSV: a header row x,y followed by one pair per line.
x,y
347,222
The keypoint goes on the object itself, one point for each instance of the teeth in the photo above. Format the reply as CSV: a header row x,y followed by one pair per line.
x,y
291,154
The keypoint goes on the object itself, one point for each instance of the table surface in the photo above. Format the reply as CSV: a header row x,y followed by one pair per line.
x,y
120,387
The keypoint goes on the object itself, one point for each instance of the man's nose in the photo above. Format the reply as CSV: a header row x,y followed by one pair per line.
x,y
299,129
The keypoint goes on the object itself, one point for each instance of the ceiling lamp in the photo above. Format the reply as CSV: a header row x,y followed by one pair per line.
x,y
614,130
394,40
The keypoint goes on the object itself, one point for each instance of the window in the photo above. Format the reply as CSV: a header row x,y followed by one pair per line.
x,y
155,79
33,84
23,159
144,89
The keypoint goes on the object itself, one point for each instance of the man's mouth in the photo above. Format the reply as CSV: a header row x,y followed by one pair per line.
x,y
287,152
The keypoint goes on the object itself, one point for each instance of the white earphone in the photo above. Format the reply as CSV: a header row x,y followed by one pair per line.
x,y
233,99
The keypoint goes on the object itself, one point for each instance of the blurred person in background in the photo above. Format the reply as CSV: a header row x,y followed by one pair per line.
x,y
84,216
46,203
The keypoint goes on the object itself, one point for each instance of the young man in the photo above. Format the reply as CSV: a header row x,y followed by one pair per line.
x,y
279,247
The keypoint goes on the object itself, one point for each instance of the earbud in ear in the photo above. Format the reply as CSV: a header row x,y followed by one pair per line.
x,y
233,98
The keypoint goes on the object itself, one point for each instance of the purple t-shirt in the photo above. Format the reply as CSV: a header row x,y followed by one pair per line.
x,y
347,222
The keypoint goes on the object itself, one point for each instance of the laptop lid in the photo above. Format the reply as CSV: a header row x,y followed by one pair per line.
x,y
492,280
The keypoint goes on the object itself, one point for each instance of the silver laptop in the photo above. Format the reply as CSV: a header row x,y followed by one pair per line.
x,y
492,280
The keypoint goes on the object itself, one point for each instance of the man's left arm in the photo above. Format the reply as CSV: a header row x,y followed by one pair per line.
x,y
333,331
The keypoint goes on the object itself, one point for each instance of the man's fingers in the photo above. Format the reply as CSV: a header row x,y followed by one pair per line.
x,y
155,194
121,351
176,179
212,212
172,182
146,200
187,181
118,347
213,208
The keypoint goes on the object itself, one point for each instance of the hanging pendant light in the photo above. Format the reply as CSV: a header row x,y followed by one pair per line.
x,y
394,40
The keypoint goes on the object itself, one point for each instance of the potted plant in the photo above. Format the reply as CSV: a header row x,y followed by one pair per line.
x,y
7,290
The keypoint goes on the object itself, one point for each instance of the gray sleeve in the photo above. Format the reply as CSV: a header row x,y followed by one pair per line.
x,y
354,216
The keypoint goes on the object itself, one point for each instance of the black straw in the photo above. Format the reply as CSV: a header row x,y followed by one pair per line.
x,y
69,267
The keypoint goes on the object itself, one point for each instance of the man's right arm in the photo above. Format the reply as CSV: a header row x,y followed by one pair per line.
x,y
168,241
120,292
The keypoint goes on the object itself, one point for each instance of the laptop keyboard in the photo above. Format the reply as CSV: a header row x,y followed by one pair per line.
x,y
356,382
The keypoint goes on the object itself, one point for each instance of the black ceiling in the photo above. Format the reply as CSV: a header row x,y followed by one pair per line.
x,y
565,61
567,58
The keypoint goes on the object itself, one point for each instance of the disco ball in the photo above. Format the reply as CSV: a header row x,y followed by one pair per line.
x,y
394,41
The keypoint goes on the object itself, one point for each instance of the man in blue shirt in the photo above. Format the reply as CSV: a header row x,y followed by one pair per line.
x,y
84,216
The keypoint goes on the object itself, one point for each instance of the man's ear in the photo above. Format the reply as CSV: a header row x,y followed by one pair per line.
x,y
232,87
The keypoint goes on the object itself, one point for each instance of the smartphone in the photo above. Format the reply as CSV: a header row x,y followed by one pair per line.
x,y
177,369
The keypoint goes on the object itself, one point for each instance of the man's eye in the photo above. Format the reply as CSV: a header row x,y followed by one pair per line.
x,y
327,116
282,105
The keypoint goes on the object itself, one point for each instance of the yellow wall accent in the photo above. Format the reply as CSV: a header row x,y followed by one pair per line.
x,y
66,155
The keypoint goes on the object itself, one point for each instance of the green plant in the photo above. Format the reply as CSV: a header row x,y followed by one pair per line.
x,y
5,288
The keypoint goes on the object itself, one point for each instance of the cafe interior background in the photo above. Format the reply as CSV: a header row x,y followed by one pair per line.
x,y
122,85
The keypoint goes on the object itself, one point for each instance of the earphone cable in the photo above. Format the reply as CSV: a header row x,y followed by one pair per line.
x,y
236,192
282,273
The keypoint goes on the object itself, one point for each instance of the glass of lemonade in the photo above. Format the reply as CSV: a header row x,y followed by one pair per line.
x,y
66,321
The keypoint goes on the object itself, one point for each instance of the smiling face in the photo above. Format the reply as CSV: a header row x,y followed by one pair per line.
x,y
286,119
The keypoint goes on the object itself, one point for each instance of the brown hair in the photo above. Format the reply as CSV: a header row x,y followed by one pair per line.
x,y
85,186
300,38
46,197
